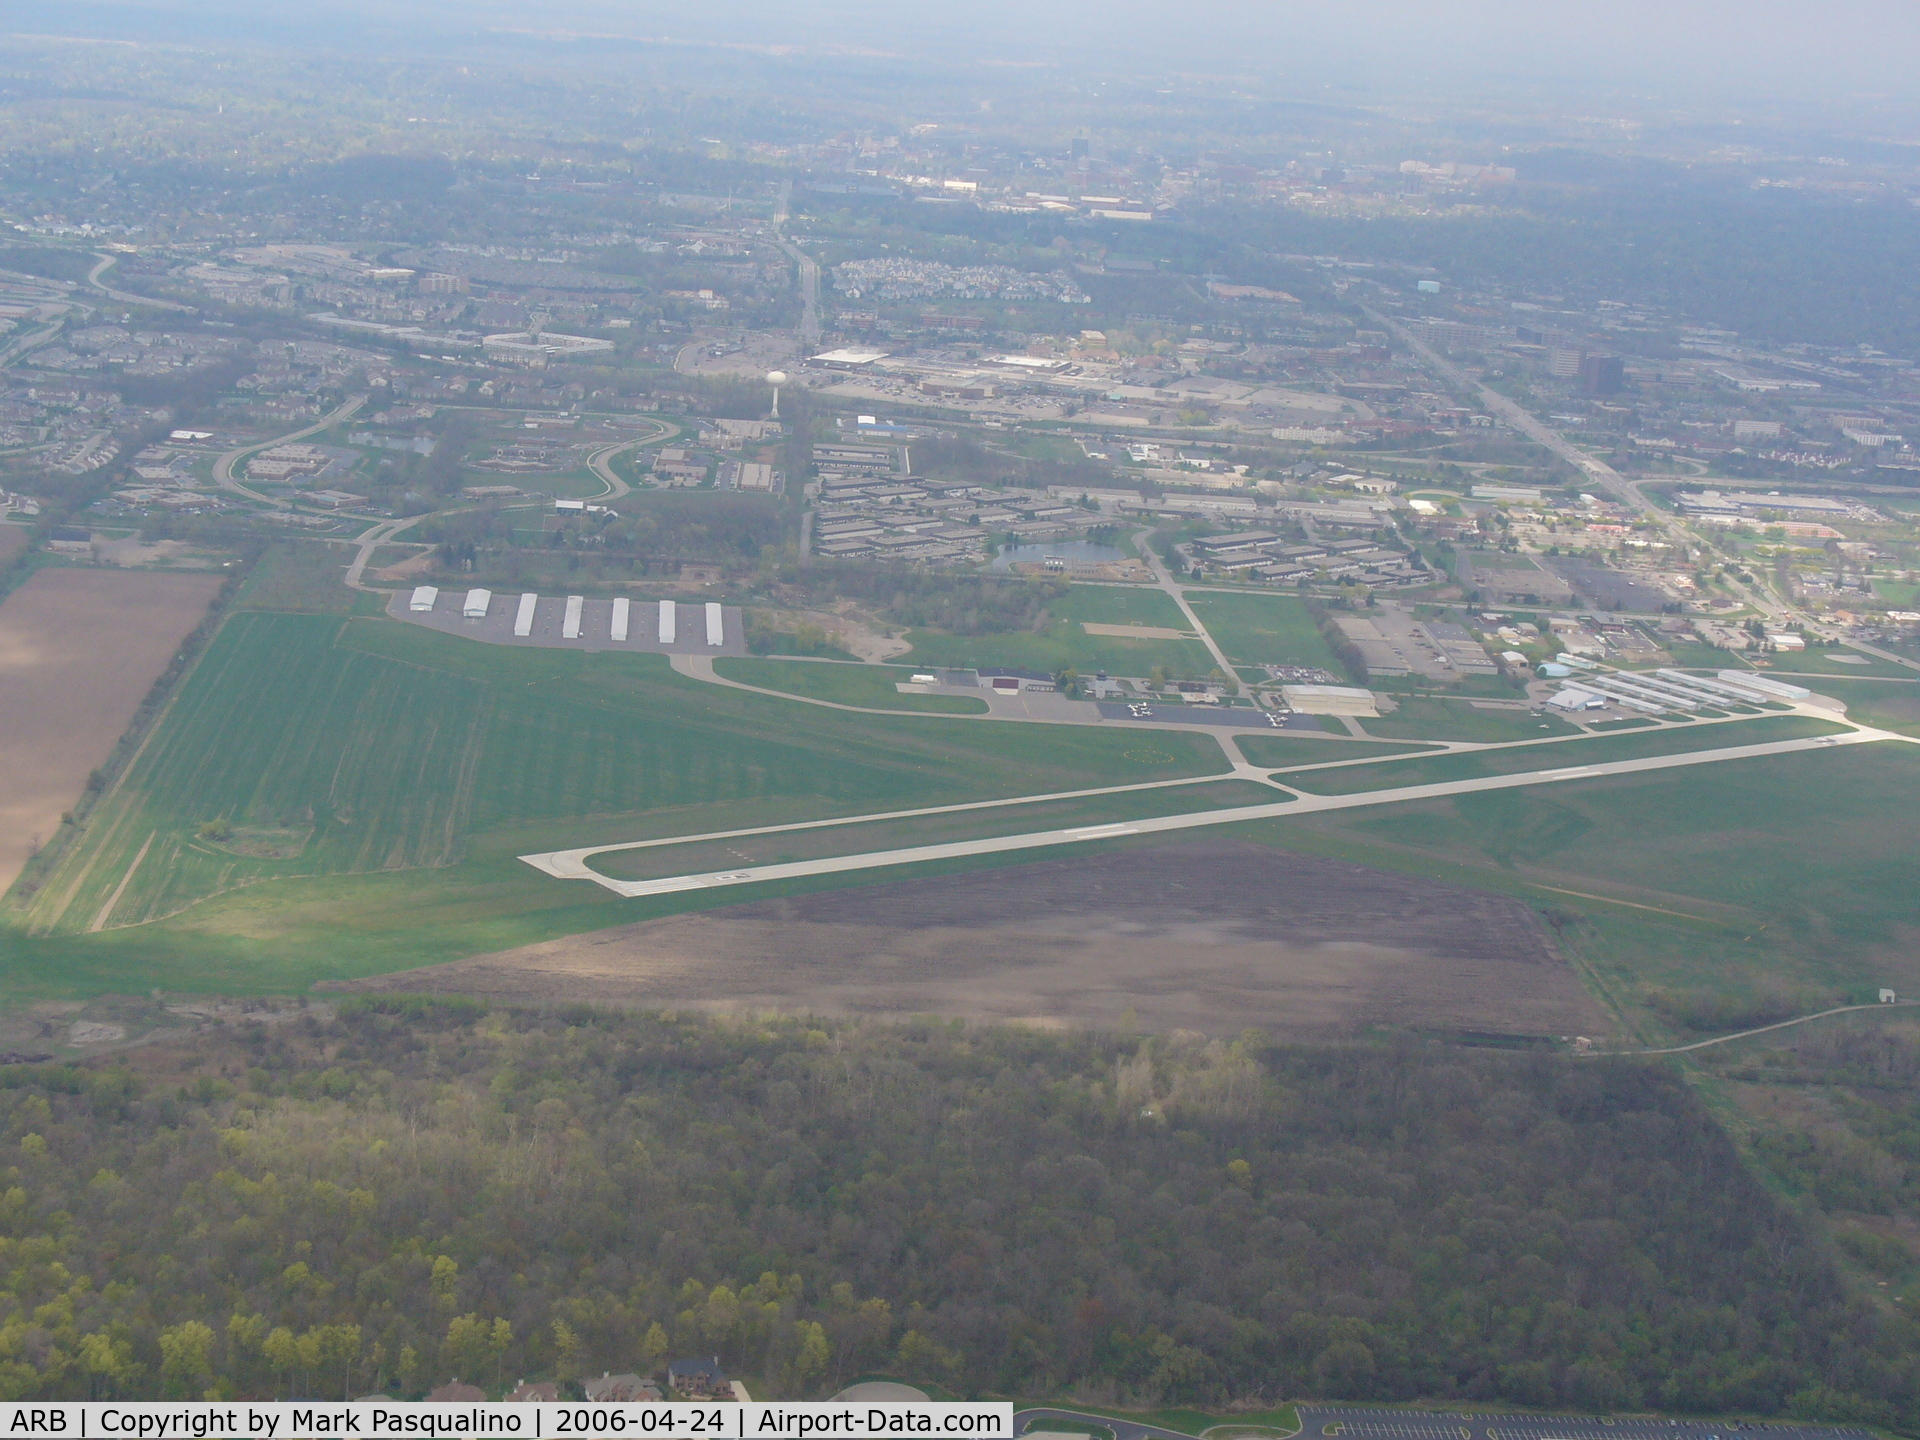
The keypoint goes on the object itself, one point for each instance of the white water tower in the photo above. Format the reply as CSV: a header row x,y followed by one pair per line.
x,y
776,378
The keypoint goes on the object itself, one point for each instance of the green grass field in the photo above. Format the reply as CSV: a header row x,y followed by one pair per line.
x,y
1063,644
870,686
1797,868
1515,760
1691,655
1886,704
1298,749
1430,719
379,778
1264,630
279,729
304,575
1120,605
1897,592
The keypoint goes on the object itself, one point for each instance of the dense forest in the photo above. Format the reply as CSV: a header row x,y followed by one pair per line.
x,y
406,1191
1834,1118
652,531
909,595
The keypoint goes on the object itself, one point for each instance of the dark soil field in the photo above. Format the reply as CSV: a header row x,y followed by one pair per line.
x,y
78,651
1210,934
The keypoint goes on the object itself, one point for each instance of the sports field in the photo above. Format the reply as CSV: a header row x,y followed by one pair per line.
x,y
1264,630
869,686
376,770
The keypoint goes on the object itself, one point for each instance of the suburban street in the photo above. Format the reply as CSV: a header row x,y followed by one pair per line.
x,y
223,467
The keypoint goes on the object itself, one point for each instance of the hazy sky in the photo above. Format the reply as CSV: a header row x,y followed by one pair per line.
x,y
1805,48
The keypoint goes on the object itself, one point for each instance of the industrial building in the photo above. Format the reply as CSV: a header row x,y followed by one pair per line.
x,y
1330,700
1659,691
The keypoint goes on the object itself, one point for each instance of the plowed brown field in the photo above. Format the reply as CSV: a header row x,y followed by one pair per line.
x,y
1212,934
78,650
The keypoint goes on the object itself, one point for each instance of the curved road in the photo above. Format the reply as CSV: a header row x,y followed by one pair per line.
x,y
601,460
1761,1030
107,262
223,467
373,539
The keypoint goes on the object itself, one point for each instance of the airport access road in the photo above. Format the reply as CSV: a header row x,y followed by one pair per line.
x,y
1164,579
601,460
223,475
552,863
371,541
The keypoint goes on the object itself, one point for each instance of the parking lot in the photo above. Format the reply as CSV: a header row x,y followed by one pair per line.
x,y
1364,1423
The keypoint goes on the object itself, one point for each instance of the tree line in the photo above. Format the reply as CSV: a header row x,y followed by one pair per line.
x,y
407,1191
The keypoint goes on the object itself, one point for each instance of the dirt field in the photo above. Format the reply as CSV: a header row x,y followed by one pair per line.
x,y
78,651
1207,934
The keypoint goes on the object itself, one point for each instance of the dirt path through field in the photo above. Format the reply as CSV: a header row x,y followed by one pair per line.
x,y
78,650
